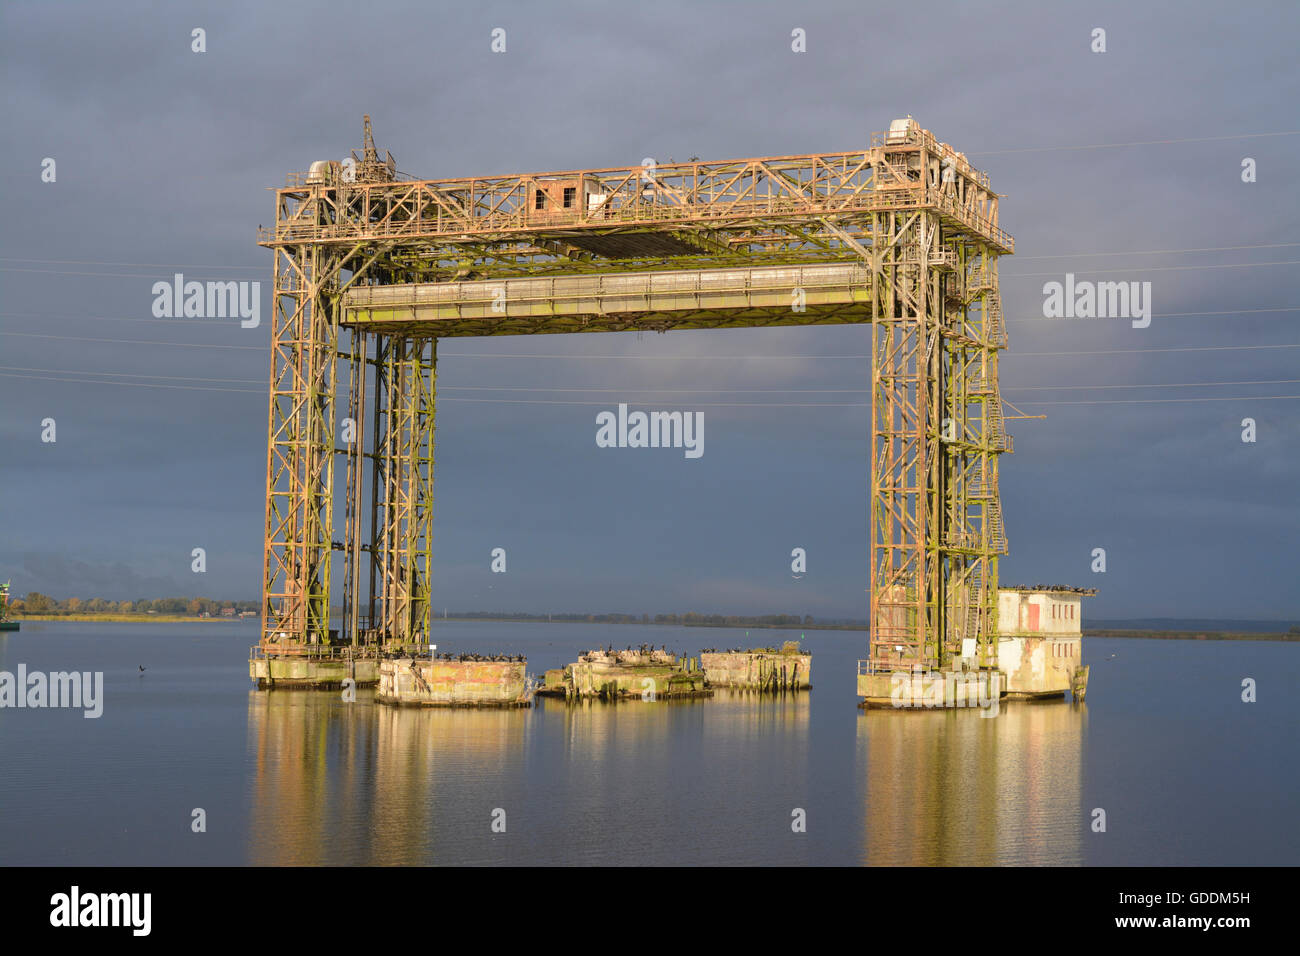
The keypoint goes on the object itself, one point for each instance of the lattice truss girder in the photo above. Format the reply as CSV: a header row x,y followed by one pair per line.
x,y
708,212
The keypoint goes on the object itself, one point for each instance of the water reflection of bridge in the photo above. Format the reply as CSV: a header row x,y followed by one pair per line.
x,y
337,783
675,782
950,788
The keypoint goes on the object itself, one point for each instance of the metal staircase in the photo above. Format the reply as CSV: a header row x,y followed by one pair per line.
x,y
995,326
993,520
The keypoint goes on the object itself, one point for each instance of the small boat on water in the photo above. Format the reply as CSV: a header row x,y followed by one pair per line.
x,y
5,623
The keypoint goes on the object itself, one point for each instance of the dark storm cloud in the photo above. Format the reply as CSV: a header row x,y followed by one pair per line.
x,y
164,157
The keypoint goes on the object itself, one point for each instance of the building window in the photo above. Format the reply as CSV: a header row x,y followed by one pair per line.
x,y
570,194
539,201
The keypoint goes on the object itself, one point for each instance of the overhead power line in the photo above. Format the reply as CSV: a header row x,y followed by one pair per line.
x,y
132,265
183,378
1221,265
185,345
624,389
1146,142
72,378
1163,315
231,325
1053,388
674,358
1161,401
96,381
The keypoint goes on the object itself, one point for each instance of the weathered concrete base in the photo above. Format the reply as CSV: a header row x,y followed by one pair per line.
x,y
426,682
311,673
1046,695
761,669
1038,665
645,674
931,690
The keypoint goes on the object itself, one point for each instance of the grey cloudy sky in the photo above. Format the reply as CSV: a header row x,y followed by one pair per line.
x,y
164,157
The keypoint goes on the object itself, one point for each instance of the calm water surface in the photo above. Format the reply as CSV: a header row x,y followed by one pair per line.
x,y
1187,773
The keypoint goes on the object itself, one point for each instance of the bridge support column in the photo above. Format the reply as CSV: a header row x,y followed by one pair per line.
x,y
402,490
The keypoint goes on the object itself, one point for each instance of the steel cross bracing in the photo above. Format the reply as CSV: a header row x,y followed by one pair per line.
x,y
371,270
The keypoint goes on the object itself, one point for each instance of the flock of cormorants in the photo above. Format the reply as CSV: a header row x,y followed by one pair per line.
x,y
482,658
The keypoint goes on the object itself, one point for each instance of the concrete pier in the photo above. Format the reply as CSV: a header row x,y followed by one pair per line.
x,y
439,682
312,667
638,674
921,689
761,669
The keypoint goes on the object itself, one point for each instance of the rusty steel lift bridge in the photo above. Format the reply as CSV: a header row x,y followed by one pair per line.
x,y
372,268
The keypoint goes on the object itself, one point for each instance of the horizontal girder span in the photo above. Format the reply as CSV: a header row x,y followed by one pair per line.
x,y
832,293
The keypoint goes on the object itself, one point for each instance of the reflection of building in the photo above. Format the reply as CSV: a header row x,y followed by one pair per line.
x,y
952,788
1040,643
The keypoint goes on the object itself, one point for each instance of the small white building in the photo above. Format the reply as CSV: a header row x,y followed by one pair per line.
x,y
1040,639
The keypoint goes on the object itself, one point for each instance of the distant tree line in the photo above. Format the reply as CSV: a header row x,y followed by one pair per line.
x,y
736,620
522,616
37,603
688,619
